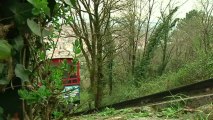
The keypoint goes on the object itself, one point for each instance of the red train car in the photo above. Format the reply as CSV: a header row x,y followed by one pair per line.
x,y
71,81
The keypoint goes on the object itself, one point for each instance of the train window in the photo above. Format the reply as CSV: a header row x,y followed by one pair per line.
x,y
75,81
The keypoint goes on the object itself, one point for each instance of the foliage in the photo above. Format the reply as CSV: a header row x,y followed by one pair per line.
x,y
40,7
200,69
107,112
57,114
187,39
50,94
38,96
155,39
170,112
36,29
42,82
11,39
22,73
175,109
5,49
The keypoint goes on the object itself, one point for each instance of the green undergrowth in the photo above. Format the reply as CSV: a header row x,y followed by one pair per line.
x,y
192,72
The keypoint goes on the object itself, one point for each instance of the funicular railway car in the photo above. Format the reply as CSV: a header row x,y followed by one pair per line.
x,y
71,81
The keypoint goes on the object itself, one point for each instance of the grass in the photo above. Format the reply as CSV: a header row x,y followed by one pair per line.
x,y
177,111
172,112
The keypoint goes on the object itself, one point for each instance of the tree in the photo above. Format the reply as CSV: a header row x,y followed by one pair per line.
x,y
133,20
134,23
150,11
160,34
207,19
189,36
168,25
91,19
109,50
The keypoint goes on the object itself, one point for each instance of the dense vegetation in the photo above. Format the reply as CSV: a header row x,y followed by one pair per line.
x,y
125,51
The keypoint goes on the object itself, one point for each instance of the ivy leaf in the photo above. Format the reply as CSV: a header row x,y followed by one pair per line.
x,y
36,29
22,73
5,49
21,11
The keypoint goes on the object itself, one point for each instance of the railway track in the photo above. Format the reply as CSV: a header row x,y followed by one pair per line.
x,y
202,87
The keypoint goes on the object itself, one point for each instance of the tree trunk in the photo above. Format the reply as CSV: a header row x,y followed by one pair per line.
x,y
110,75
99,74
164,52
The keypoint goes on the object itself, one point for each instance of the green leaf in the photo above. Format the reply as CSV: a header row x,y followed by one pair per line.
x,y
77,43
19,43
40,5
76,47
42,56
4,81
73,2
75,61
5,49
43,92
68,2
33,2
21,11
22,73
35,11
76,50
36,29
